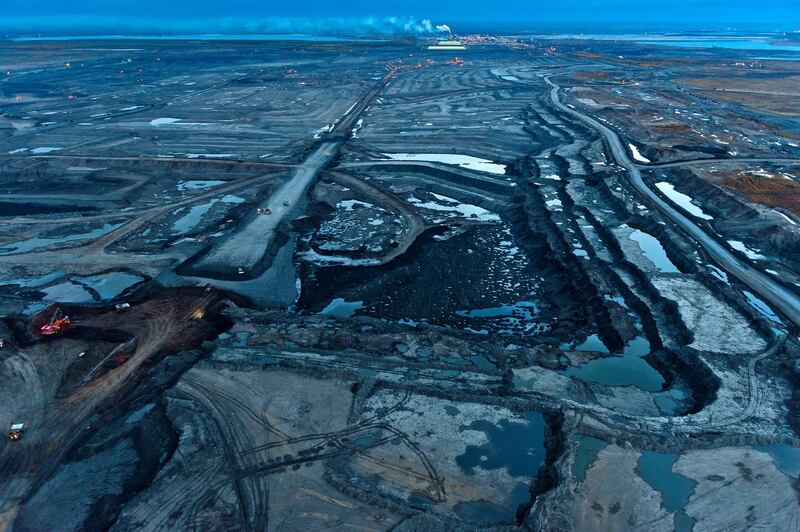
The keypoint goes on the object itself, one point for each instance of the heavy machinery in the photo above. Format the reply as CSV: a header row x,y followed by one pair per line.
x,y
58,323
119,356
16,431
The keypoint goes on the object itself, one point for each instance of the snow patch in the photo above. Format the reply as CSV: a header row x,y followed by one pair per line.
x,y
163,121
464,161
637,155
749,253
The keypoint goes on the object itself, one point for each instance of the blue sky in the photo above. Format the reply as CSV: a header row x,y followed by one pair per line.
x,y
230,15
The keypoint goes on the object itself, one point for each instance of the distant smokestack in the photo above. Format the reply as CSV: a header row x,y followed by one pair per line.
x,y
445,27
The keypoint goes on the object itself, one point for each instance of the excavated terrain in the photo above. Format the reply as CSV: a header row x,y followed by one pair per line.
x,y
363,285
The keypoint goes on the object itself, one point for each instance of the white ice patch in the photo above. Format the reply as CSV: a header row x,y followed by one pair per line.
x,y
682,200
359,125
719,274
164,121
348,205
464,161
340,308
637,155
313,256
324,129
762,173
787,218
183,186
749,253
210,155
454,206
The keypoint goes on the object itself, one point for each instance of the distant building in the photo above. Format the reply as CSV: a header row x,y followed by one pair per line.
x,y
447,45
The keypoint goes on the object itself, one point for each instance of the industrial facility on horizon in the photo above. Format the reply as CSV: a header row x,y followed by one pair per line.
x,y
449,43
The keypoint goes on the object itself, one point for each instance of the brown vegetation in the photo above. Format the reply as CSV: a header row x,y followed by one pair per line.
x,y
775,95
773,192
671,128
592,74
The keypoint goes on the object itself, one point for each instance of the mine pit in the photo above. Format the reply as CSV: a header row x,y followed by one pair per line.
x,y
550,284
511,306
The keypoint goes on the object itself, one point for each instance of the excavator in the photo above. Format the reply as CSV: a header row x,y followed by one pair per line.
x,y
57,324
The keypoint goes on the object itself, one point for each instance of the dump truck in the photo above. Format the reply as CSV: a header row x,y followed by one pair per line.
x,y
16,431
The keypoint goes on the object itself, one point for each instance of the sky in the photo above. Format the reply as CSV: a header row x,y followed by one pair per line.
x,y
398,16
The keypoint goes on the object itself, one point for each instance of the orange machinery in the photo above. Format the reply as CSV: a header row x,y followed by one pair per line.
x,y
57,324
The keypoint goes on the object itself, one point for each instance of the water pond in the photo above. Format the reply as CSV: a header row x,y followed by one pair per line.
x,y
630,369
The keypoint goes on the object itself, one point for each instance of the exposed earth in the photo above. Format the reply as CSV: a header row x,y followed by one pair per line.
x,y
533,284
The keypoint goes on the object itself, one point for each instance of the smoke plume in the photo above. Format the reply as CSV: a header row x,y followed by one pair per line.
x,y
332,26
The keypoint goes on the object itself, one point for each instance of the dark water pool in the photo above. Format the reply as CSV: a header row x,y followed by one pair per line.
x,y
516,446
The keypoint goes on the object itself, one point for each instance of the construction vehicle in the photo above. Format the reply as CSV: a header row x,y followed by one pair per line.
x,y
122,307
241,270
16,431
122,355
117,357
58,323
